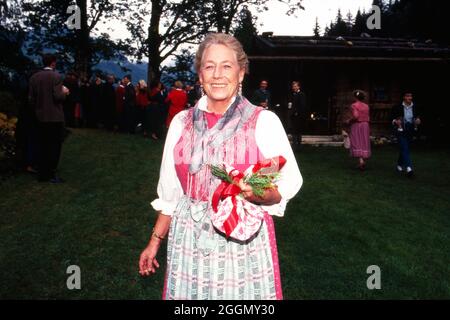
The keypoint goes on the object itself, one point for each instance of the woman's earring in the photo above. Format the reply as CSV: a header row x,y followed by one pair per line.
x,y
202,91
240,89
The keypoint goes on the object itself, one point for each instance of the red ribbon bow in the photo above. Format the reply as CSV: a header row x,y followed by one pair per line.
x,y
271,165
226,189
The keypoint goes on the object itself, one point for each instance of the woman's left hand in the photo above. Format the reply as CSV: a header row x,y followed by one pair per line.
x,y
270,197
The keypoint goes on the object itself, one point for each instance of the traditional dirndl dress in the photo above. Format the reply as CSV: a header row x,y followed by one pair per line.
x,y
203,264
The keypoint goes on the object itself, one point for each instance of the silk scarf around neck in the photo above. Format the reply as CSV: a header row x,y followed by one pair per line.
x,y
232,121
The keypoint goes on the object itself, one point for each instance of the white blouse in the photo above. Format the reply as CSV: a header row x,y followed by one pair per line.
x,y
272,141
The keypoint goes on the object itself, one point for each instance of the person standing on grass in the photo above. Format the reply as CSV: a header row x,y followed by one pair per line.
x,y
85,103
109,102
191,96
46,96
224,126
129,105
296,114
142,104
177,100
360,130
405,120
119,119
157,107
95,103
261,96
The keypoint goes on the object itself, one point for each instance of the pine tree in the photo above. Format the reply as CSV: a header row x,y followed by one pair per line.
x,y
379,3
245,29
330,30
399,18
349,21
340,27
359,25
316,30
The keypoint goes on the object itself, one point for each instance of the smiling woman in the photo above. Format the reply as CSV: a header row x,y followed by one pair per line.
x,y
221,67
220,76
223,127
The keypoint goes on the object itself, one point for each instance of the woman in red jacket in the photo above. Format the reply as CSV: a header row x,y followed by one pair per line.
x,y
177,99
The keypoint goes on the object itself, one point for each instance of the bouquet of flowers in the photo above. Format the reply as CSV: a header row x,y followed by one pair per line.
x,y
234,216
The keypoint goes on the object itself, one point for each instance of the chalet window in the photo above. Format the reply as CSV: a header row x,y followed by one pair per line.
x,y
379,94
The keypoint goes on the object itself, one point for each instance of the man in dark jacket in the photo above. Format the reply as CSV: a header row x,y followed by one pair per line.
x,y
405,120
109,102
46,94
93,114
261,96
296,114
129,105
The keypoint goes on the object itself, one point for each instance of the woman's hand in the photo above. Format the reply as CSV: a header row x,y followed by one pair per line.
x,y
147,262
271,196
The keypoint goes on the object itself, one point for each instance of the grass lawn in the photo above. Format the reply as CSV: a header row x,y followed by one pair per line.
x,y
341,222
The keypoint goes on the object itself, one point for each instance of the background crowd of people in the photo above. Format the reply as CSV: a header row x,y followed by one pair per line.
x,y
123,106
57,103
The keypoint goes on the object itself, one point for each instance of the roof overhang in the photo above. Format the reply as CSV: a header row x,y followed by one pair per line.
x,y
332,58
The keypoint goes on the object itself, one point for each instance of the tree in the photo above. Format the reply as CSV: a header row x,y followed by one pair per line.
x,y
339,27
13,62
45,20
405,19
174,23
222,13
245,29
183,69
316,29
171,24
379,3
349,22
359,25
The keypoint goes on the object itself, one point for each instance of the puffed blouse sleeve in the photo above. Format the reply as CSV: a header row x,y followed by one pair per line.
x,y
169,188
272,141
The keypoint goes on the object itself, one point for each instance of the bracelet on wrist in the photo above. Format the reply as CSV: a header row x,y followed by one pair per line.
x,y
156,235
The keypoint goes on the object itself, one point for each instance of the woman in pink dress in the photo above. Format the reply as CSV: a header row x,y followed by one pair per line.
x,y
360,130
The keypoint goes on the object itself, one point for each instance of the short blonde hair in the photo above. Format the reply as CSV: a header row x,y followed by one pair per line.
x,y
142,83
178,84
226,40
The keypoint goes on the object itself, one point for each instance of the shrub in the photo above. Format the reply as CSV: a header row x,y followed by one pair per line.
x,y
7,144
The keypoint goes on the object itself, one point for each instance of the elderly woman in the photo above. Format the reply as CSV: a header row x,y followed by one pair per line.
x,y
224,127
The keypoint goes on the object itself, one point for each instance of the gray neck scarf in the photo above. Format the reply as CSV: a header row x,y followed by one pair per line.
x,y
233,120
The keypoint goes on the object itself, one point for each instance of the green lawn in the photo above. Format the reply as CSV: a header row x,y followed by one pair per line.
x,y
341,222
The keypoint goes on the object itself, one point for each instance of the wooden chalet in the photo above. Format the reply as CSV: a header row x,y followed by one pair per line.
x,y
330,68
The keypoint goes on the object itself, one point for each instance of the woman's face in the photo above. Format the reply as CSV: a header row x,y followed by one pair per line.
x,y
220,73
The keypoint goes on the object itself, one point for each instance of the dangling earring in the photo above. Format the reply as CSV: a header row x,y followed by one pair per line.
x,y
240,89
202,91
